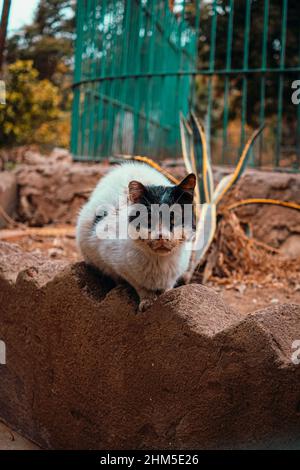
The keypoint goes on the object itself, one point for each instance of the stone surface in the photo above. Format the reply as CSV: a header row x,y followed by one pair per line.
x,y
8,194
54,191
84,370
11,440
291,246
31,155
271,224
14,262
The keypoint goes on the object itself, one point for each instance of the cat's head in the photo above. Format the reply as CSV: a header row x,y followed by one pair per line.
x,y
161,217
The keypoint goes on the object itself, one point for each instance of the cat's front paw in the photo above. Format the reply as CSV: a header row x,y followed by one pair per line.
x,y
146,303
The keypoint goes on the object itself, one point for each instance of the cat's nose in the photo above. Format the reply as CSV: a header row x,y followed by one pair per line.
x,y
163,237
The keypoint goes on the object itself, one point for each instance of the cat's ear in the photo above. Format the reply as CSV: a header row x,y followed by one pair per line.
x,y
136,191
188,183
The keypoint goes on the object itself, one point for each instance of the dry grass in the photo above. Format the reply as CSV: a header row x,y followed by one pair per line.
x,y
234,257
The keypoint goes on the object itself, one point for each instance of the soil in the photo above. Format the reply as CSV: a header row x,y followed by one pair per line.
x,y
245,293
255,298
56,247
11,440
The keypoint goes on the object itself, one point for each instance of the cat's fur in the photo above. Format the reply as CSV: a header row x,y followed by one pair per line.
x,y
150,266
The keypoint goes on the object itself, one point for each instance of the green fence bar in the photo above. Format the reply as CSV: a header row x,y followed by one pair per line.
x,y
93,75
281,80
227,79
211,67
126,62
263,76
137,69
111,91
245,79
297,161
77,78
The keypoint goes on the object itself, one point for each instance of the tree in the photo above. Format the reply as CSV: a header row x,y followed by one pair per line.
x,y
48,41
40,71
3,28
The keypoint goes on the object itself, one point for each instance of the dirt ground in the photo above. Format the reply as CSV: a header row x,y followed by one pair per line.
x,y
11,440
245,294
257,297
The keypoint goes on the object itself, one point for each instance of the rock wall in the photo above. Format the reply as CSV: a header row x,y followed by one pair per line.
x,y
54,192
84,370
277,226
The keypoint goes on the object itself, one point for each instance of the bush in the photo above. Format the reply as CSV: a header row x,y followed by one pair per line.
x,y
32,112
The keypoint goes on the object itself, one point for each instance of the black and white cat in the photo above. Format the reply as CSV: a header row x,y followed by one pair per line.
x,y
153,261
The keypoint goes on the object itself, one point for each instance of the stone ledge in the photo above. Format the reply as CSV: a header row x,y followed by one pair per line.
x,y
85,371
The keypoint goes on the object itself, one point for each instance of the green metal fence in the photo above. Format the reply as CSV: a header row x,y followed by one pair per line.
x,y
127,92
139,63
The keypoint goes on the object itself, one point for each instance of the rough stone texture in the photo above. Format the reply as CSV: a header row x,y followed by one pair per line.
x,y
11,440
31,155
84,370
54,191
8,194
291,246
14,262
272,224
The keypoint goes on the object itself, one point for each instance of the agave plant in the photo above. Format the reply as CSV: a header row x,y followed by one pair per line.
x,y
197,160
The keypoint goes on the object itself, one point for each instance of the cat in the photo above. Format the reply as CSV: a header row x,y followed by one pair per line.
x,y
154,260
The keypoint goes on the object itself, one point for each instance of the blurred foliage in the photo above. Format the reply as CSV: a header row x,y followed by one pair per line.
x,y
48,41
274,46
39,77
32,113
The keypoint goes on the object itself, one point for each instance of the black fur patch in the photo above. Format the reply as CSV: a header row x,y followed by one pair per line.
x,y
168,195
98,218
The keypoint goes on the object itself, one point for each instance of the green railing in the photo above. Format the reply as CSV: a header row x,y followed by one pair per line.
x,y
139,63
